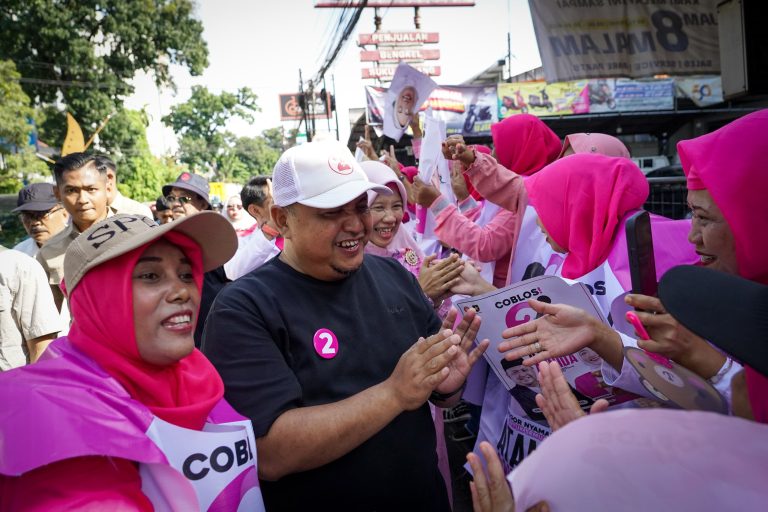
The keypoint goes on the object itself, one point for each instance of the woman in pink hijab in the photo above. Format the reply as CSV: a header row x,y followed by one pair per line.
x,y
582,201
524,144
727,185
389,239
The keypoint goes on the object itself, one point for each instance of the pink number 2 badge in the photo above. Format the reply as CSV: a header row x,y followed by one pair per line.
x,y
326,344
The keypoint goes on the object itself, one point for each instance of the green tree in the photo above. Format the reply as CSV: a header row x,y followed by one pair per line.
x,y
85,52
15,109
18,163
140,175
204,143
257,156
275,138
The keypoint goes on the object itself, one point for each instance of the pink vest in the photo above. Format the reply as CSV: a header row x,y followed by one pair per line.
x,y
66,406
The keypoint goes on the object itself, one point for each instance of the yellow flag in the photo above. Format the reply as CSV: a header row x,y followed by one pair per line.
x,y
74,142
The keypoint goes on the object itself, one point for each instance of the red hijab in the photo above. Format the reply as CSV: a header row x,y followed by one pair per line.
x,y
102,307
582,200
524,144
730,163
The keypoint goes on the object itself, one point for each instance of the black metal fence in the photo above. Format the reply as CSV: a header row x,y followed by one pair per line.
x,y
668,197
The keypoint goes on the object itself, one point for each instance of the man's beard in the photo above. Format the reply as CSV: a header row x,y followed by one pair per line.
x,y
346,273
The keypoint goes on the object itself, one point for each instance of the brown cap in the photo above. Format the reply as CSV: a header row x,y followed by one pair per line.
x,y
121,233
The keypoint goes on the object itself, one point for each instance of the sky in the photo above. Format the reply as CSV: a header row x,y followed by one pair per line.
x,y
263,44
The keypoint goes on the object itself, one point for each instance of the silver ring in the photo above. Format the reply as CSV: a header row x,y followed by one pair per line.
x,y
536,347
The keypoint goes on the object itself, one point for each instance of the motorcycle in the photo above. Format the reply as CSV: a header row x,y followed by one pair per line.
x,y
540,102
600,93
516,103
474,114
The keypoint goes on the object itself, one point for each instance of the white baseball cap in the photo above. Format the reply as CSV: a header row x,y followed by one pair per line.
x,y
321,174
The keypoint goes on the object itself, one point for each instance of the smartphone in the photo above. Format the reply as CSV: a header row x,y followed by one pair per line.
x,y
633,319
642,265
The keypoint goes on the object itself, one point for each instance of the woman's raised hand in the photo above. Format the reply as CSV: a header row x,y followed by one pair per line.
x,y
557,401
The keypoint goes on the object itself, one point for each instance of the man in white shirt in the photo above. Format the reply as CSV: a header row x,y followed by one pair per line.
x,y
264,243
117,202
29,320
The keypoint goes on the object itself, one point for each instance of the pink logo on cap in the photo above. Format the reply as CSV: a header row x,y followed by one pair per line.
x,y
326,343
184,176
339,166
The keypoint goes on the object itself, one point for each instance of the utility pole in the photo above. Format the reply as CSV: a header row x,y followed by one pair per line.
x,y
335,113
303,104
311,102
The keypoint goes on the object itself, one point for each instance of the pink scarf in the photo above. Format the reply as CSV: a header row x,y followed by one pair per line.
x,y
183,393
524,144
594,143
730,163
582,200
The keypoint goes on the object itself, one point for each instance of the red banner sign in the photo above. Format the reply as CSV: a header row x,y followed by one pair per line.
x,y
290,107
387,72
398,38
409,54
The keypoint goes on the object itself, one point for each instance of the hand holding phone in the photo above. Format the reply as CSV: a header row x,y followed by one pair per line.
x,y
633,319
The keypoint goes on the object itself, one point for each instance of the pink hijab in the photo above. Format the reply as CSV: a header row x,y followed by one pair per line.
x,y
730,163
582,200
524,144
594,143
102,307
379,173
637,460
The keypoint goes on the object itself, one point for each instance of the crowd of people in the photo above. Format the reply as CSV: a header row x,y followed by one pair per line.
x,y
301,346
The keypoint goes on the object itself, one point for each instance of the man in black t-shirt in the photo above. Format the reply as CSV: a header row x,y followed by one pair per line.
x,y
319,348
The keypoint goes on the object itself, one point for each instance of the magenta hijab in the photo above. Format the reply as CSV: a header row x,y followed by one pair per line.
x,y
380,174
594,143
582,200
524,144
730,163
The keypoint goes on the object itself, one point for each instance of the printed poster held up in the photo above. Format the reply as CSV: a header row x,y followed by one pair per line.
x,y
407,92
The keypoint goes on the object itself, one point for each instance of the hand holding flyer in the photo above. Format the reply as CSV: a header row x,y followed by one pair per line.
x,y
508,310
558,330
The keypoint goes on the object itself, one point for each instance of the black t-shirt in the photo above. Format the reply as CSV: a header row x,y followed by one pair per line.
x,y
213,282
259,335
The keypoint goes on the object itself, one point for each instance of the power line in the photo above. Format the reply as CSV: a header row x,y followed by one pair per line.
x,y
345,35
71,83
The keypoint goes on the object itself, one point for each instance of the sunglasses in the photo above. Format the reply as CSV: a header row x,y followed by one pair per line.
x,y
180,199
38,216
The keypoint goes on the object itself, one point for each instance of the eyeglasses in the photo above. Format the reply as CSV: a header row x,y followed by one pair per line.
x,y
178,199
38,216
234,207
